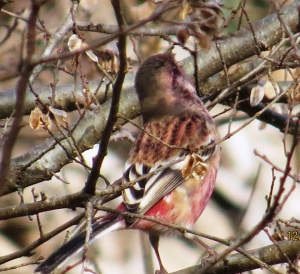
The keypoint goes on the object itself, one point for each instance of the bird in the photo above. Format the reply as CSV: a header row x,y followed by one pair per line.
x,y
178,147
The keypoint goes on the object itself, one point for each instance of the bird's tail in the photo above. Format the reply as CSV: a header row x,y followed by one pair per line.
x,y
110,222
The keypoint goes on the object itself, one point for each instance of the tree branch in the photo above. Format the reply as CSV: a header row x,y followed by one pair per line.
x,y
237,263
11,137
40,163
90,186
26,250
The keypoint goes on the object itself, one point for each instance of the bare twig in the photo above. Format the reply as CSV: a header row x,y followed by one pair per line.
x,y
26,250
90,185
11,137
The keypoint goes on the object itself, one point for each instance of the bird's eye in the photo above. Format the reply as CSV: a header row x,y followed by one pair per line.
x,y
159,65
175,70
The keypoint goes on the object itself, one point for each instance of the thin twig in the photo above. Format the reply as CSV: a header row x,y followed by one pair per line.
x,y
90,185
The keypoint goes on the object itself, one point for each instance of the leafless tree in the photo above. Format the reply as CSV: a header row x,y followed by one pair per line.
x,y
67,75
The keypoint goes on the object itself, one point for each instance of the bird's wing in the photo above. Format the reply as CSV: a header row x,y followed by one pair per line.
x,y
145,193
148,191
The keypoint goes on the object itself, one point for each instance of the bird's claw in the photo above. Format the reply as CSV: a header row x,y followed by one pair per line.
x,y
161,271
209,259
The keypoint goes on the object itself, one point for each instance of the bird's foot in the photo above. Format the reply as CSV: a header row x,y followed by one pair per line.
x,y
161,271
209,259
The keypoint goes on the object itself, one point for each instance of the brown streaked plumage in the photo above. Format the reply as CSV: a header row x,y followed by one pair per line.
x,y
185,133
176,126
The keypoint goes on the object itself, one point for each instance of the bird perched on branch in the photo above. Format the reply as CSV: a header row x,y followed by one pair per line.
x,y
177,129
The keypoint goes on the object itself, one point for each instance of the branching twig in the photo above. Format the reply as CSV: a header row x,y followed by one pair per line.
x,y
11,137
90,185
26,250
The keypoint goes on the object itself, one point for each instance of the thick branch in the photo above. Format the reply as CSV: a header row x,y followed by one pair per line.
x,y
241,45
64,96
146,31
40,163
27,209
237,263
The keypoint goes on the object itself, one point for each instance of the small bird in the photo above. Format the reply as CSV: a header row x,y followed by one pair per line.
x,y
176,126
